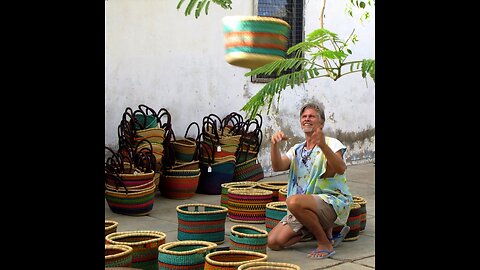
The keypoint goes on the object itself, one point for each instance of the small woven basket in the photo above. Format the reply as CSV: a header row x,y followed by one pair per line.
x,y
226,186
204,222
282,194
184,254
250,238
118,256
232,259
144,244
248,204
268,266
110,227
274,212
363,211
179,187
274,187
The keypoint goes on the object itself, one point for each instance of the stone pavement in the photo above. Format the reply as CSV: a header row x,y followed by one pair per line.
x,y
351,255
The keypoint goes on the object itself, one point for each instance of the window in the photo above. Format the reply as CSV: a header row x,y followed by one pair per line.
x,y
290,11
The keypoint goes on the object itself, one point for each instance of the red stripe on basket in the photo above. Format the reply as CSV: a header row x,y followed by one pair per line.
x,y
132,206
180,267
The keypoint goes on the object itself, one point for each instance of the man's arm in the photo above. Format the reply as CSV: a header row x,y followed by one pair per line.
x,y
279,162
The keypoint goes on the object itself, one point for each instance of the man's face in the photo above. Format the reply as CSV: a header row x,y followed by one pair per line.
x,y
310,120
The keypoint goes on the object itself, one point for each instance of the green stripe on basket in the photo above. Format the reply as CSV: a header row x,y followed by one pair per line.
x,y
255,26
139,200
256,50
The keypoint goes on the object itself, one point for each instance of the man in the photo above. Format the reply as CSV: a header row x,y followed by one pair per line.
x,y
318,197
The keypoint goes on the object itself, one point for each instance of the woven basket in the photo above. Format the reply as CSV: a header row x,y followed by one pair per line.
x,y
274,212
253,41
353,222
118,256
137,178
363,211
226,186
268,266
232,259
144,243
179,187
248,204
214,175
250,170
250,238
184,149
193,165
153,135
204,222
274,187
184,254
136,202
110,227
282,194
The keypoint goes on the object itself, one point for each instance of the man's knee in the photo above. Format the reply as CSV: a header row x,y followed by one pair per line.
x,y
293,202
273,243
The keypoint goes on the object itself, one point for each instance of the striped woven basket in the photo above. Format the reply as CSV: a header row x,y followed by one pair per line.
x,y
226,186
282,194
274,186
135,202
268,266
274,212
250,238
144,244
118,256
353,222
179,187
232,259
203,222
153,135
184,149
363,211
137,178
184,254
110,226
248,204
214,175
250,170
192,165
253,41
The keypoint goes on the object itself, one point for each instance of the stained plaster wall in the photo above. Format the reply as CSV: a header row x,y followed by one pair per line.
x,y
155,55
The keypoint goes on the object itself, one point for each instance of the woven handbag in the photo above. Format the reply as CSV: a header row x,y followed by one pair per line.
x,y
204,222
214,173
250,170
232,259
248,204
253,41
144,244
250,238
363,211
226,186
186,148
268,266
274,212
118,256
110,226
274,186
184,254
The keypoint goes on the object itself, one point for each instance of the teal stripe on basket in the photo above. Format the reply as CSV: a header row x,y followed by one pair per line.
x,y
190,259
212,237
256,50
220,217
256,241
256,26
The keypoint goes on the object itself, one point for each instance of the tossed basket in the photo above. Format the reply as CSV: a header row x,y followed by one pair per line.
x,y
274,212
144,244
201,222
268,266
226,186
250,238
118,256
184,254
274,186
232,259
248,204
110,226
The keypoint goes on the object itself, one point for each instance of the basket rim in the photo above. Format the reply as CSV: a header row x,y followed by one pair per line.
x,y
274,185
183,176
255,18
125,251
240,183
275,205
250,191
164,248
359,199
280,264
111,238
113,223
263,257
221,209
263,233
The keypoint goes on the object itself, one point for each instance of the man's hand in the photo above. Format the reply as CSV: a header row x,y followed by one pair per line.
x,y
277,137
318,137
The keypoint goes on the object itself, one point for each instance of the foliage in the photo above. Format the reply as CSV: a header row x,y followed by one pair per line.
x,y
203,5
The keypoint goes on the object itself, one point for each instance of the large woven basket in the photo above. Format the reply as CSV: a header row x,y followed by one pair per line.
x,y
135,202
253,41
250,238
184,149
274,186
200,221
363,211
274,212
232,259
353,222
248,205
179,187
268,266
110,226
184,254
226,186
118,256
144,243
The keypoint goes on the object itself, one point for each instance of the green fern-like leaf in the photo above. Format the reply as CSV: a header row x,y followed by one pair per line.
x,y
200,5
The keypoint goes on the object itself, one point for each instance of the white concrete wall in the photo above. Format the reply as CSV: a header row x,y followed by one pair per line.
x,y
157,56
